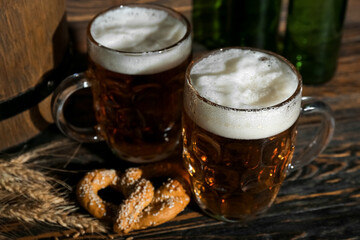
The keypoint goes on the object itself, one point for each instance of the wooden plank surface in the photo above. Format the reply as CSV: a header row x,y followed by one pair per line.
x,y
320,201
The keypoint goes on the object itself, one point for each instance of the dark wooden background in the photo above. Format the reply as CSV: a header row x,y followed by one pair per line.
x,y
320,201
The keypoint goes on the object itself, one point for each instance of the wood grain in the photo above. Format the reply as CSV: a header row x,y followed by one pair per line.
x,y
33,41
27,44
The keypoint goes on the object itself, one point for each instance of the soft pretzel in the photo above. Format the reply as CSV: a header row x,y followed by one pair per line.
x,y
139,192
87,193
142,206
168,201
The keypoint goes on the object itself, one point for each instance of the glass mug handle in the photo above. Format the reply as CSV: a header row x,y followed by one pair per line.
x,y
313,107
70,85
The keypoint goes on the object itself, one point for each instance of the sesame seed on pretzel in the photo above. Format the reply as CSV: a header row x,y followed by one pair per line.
x,y
143,206
87,193
168,201
139,192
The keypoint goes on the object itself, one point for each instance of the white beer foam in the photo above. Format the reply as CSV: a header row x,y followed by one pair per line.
x,y
136,30
250,84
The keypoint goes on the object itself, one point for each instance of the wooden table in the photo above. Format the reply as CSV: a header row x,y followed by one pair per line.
x,y
321,201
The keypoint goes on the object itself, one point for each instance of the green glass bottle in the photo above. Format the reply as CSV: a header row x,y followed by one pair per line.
x,y
212,22
222,23
255,23
313,37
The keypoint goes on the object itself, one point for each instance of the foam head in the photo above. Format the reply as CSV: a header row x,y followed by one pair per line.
x,y
143,31
252,92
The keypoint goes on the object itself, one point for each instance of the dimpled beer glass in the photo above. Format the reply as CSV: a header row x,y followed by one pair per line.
x,y
241,109
138,54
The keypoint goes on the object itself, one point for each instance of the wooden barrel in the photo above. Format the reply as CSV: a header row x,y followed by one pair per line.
x,y
33,48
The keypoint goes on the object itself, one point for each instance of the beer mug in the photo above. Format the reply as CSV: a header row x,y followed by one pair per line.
x,y
137,58
241,111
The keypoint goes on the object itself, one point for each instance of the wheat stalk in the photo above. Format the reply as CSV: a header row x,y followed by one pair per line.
x,y
32,196
61,215
17,178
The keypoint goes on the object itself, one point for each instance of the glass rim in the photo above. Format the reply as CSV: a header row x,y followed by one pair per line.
x,y
281,58
169,10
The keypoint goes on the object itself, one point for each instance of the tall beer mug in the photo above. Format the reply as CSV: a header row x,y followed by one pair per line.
x,y
241,110
137,54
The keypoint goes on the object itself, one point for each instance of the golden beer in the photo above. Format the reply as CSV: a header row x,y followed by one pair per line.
x,y
238,145
137,58
139,115
235,179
